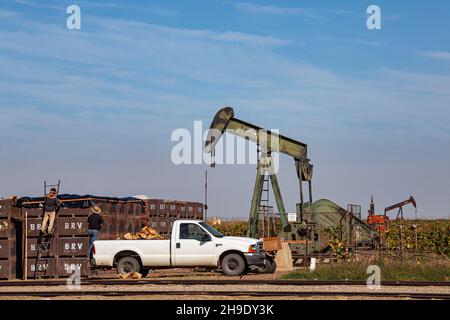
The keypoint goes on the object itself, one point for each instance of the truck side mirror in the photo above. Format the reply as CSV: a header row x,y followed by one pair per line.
x,y
206,238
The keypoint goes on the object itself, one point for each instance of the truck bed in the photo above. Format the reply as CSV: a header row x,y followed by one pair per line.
x,y
155,252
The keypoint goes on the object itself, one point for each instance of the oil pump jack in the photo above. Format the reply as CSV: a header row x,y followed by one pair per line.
x,y
400,206
267,142
381,222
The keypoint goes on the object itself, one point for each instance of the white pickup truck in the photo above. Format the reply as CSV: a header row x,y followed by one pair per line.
x,y
192,244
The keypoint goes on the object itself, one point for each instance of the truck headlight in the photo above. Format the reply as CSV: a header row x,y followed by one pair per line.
x,y
252,248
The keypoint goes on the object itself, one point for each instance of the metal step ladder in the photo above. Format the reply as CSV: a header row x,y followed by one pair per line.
x,y
264,206
47,187
45,240
44,244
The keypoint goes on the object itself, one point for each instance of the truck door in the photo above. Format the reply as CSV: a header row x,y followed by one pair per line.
x,y
193,246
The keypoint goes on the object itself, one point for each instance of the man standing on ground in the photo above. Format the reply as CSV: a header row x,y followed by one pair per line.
x,y
51,206
95,222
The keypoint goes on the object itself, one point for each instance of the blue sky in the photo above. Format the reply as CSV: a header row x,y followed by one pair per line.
x,y
96,107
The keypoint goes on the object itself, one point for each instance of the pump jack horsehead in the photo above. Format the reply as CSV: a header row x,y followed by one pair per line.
x,y
268,142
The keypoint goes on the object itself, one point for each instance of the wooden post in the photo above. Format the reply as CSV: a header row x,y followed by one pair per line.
x,y
26,247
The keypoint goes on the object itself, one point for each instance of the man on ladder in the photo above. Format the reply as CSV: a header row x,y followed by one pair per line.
x,y
51,206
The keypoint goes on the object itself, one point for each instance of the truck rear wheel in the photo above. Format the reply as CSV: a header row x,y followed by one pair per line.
x,y
233,265
128,265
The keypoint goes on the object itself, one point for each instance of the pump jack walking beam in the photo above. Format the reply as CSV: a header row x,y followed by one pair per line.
x,y
224,121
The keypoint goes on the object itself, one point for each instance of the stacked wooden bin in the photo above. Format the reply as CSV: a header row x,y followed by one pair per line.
x,y
67,249
121,217
162,213
8,250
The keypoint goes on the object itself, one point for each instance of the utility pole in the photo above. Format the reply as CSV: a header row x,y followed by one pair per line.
x,y
205,217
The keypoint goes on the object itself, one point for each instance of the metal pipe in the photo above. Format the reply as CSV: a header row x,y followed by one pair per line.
x,y
310,192
301,199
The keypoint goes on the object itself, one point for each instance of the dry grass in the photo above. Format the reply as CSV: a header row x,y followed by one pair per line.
x,y
391,270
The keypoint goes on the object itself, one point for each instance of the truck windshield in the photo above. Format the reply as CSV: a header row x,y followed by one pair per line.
x,y
211,230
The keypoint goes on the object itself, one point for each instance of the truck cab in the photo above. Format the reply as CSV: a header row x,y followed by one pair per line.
x,y
195,243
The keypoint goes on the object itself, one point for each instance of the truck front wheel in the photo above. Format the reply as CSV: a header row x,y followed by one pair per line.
x,y
128,265
269,266
233,265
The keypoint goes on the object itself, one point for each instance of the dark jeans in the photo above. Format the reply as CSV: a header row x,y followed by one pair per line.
x,y
93,235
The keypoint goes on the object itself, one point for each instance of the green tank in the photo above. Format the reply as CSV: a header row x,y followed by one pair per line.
x,y
324,214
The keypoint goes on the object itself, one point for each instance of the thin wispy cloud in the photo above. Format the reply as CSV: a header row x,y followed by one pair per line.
x,y
124,6
7,14
393,17
438,55
364,42
344,12
355,42
270,10
33,4
234,36
225,36
101,5
274,10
